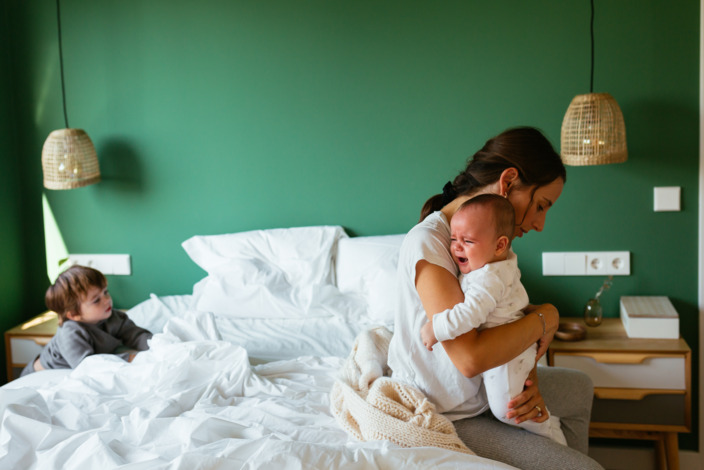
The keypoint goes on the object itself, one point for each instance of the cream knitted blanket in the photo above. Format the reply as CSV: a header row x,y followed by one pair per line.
x,y
370,406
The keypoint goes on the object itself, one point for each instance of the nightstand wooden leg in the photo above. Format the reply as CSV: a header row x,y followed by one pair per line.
x,y
672,451
661,453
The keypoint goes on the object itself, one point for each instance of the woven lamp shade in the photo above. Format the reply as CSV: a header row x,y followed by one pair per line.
x,y
69,160
593,131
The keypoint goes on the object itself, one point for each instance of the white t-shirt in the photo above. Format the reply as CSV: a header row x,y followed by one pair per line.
x,y
493,296
430,371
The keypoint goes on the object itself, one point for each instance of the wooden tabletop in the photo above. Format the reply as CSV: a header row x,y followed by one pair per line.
x,y
611,336
41,325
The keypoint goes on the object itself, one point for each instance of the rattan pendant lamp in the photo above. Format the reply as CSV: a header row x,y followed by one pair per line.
x,y
593,131
68,158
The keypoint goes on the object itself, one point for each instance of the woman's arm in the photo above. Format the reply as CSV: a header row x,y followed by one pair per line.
x,y
478,351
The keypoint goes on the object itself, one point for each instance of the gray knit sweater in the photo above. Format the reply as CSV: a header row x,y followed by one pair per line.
x,y
75,340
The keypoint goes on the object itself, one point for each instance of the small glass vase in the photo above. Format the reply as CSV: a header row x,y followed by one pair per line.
x,y
593,313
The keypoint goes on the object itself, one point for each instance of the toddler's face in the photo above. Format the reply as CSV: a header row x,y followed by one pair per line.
x,y
473,238
95,306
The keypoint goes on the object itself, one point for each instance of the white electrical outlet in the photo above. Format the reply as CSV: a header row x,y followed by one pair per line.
x,y
587,263
596,263
106,264
618,263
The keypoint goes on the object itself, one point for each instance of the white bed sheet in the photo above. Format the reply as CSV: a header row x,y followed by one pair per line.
x,y
265,339
192,401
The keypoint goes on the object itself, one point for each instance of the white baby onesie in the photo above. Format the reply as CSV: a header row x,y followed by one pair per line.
x,y
494,296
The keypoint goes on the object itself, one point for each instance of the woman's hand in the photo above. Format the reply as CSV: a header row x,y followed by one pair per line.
x,y
551,317
528,404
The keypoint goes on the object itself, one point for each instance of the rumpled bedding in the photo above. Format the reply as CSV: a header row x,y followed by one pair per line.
x,y
265,339
193,401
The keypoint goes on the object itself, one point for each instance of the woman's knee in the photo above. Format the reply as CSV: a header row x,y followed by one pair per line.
x,y
579,378
582,387
567,381
567,392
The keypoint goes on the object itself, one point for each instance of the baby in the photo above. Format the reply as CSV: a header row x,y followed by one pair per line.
x,y
481,233
87,323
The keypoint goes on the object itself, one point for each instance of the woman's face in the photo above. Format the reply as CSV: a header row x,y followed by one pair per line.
x,y
531,211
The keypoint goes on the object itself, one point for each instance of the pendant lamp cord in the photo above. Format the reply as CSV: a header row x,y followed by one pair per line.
x,y
61,62
591,78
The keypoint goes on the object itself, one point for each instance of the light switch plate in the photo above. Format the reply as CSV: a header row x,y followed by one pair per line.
x,y
553,264
106,264
666,198
575,264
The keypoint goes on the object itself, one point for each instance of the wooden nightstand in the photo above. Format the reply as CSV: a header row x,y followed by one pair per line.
x,y
24,342
642,387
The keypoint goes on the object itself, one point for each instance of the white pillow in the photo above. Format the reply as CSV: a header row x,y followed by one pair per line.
x,y
302,254
366,266
223,296
153,313
277,273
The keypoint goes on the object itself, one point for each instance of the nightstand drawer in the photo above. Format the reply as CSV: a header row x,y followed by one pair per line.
x,y
25,351
642,387
656,409
628,370
24,342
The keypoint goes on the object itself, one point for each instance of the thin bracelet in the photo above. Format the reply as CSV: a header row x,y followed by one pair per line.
x,y
544,325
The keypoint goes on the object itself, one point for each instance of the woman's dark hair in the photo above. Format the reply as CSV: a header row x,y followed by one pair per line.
x,y
524,148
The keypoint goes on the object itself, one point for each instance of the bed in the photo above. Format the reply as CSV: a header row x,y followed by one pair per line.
x,y
238,374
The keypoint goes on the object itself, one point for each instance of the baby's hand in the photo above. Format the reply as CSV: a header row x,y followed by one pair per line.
x,y
428,336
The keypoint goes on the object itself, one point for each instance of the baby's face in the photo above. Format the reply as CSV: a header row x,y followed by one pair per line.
x,y
95,306
474,240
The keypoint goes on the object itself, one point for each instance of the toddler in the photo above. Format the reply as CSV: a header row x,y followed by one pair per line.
x,y
481,232
87,323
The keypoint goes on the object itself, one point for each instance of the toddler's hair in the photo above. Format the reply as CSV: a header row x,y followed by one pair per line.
x,y
70,288
504,214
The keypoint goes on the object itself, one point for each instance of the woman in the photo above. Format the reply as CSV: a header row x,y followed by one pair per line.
x,y
521,165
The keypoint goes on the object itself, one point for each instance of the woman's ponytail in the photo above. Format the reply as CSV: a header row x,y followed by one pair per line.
x,y
524,148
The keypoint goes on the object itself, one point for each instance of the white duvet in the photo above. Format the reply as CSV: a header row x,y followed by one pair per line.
x,y
193,401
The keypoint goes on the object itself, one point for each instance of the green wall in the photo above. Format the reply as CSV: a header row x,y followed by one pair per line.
x,y
21,291
223,116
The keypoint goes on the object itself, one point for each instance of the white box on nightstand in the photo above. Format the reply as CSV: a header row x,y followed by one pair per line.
x,y
649,317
